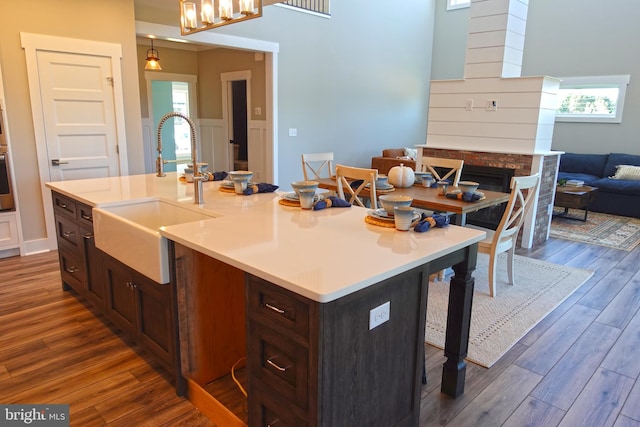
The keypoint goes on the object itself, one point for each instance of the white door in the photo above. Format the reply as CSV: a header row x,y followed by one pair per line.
x,y
77,104
79,118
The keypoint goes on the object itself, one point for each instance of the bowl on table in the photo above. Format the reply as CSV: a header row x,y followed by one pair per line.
x,y
390,201
468,186
240,180
307,185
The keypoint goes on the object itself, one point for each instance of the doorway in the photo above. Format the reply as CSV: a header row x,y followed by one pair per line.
x,y
239,125
167,92
77,104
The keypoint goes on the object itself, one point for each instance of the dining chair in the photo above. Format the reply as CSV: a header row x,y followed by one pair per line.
x,y
345,175
314,164
503,239
441,169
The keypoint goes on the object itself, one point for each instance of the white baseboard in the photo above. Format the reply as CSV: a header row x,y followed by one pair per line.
x,y
38,246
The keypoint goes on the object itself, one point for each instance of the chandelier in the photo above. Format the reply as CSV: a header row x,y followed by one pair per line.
x,y
216,13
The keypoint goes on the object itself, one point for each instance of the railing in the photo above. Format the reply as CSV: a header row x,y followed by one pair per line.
x,y
318,6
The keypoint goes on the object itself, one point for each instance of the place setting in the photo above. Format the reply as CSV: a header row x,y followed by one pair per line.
x,y
241,184
465,191
382,184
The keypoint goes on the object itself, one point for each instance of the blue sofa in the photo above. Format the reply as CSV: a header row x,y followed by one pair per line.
x,y
615,196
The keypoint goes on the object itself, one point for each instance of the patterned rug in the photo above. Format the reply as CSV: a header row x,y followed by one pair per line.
x,y
618,232
498,323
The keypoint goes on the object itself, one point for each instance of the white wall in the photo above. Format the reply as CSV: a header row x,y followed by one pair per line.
x,y
565,38
353,84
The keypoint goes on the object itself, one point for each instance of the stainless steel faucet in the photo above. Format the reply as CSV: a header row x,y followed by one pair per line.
x,y
198,178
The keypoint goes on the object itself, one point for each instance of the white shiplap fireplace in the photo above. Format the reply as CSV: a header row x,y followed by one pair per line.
x,y
494,116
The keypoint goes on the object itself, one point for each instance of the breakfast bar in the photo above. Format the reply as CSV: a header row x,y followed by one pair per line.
x,y
328,310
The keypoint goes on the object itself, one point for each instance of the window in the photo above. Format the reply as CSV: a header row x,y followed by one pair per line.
x,y
591,99
457,4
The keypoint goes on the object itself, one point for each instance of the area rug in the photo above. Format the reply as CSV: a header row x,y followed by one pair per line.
x,y
618,232
498,323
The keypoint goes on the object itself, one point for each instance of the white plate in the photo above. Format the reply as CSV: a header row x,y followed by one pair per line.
x,y
386,187
383,215
294,196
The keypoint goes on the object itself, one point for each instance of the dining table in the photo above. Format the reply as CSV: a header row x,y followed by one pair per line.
x,y
430,198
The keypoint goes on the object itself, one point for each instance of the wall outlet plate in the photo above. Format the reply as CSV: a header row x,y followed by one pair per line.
x,y
379,315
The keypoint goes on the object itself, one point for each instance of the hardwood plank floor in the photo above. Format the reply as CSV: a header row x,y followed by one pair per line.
x,y
577,367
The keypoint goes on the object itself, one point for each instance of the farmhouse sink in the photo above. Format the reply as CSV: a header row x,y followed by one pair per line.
x,y
129,232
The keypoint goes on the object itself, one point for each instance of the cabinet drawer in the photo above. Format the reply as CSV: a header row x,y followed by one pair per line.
x,y
279,362
277,307
85,215
72,269
64,205
68,232
266,409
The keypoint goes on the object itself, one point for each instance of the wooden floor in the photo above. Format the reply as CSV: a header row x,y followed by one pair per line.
x,y
579,367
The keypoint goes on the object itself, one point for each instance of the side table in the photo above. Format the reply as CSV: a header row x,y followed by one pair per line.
x,y
574,197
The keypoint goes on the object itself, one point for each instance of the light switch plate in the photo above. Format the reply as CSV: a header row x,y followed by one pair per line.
x,y
379,315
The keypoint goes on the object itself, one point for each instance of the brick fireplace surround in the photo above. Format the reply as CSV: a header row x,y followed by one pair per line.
x,y
522,165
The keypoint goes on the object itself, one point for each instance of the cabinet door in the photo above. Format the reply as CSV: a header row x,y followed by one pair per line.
x,y
156,317
121,304
96,273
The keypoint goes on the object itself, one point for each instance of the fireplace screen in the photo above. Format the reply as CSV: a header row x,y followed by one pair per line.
x,y
493,179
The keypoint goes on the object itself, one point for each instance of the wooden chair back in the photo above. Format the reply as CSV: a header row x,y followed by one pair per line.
x,y
523,191
452,167
503,239
315,164
346,174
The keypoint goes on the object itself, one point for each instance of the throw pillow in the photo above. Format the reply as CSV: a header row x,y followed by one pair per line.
x,y
412,153
627,172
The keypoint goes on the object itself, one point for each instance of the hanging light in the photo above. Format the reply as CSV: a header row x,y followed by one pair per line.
x,y
153,59
215,13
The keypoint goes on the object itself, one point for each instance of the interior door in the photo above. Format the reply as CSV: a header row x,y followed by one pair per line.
x,y
79,118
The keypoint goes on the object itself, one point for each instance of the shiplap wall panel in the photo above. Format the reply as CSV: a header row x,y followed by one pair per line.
x,y
490,145
507,100
480,115
497,85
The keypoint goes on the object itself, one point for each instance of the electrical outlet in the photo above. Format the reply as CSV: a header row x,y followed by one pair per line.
x,y
492,105
293,132
469,105
257,111
379,315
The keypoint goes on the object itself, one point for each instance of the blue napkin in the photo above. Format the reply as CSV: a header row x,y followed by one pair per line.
x,y
331,202
427,222
261,187
467,196
219,176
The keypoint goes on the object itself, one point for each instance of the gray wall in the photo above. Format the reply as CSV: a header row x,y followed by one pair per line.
x,y
565,38
353,84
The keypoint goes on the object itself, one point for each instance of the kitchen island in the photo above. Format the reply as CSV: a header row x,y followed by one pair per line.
x,y
328,310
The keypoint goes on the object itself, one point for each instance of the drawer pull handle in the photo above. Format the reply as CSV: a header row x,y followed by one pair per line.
x,y
276,309
274,422
87,236
87,217
275,365
62,205
72,269
68,233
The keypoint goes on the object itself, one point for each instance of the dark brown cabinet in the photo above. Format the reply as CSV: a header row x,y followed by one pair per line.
x,y
74,230
141,308
138,306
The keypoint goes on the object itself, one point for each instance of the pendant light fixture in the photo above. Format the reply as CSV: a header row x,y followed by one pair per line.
x,y
153,59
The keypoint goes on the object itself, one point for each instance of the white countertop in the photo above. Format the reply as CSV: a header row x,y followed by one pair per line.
x,y
322,255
